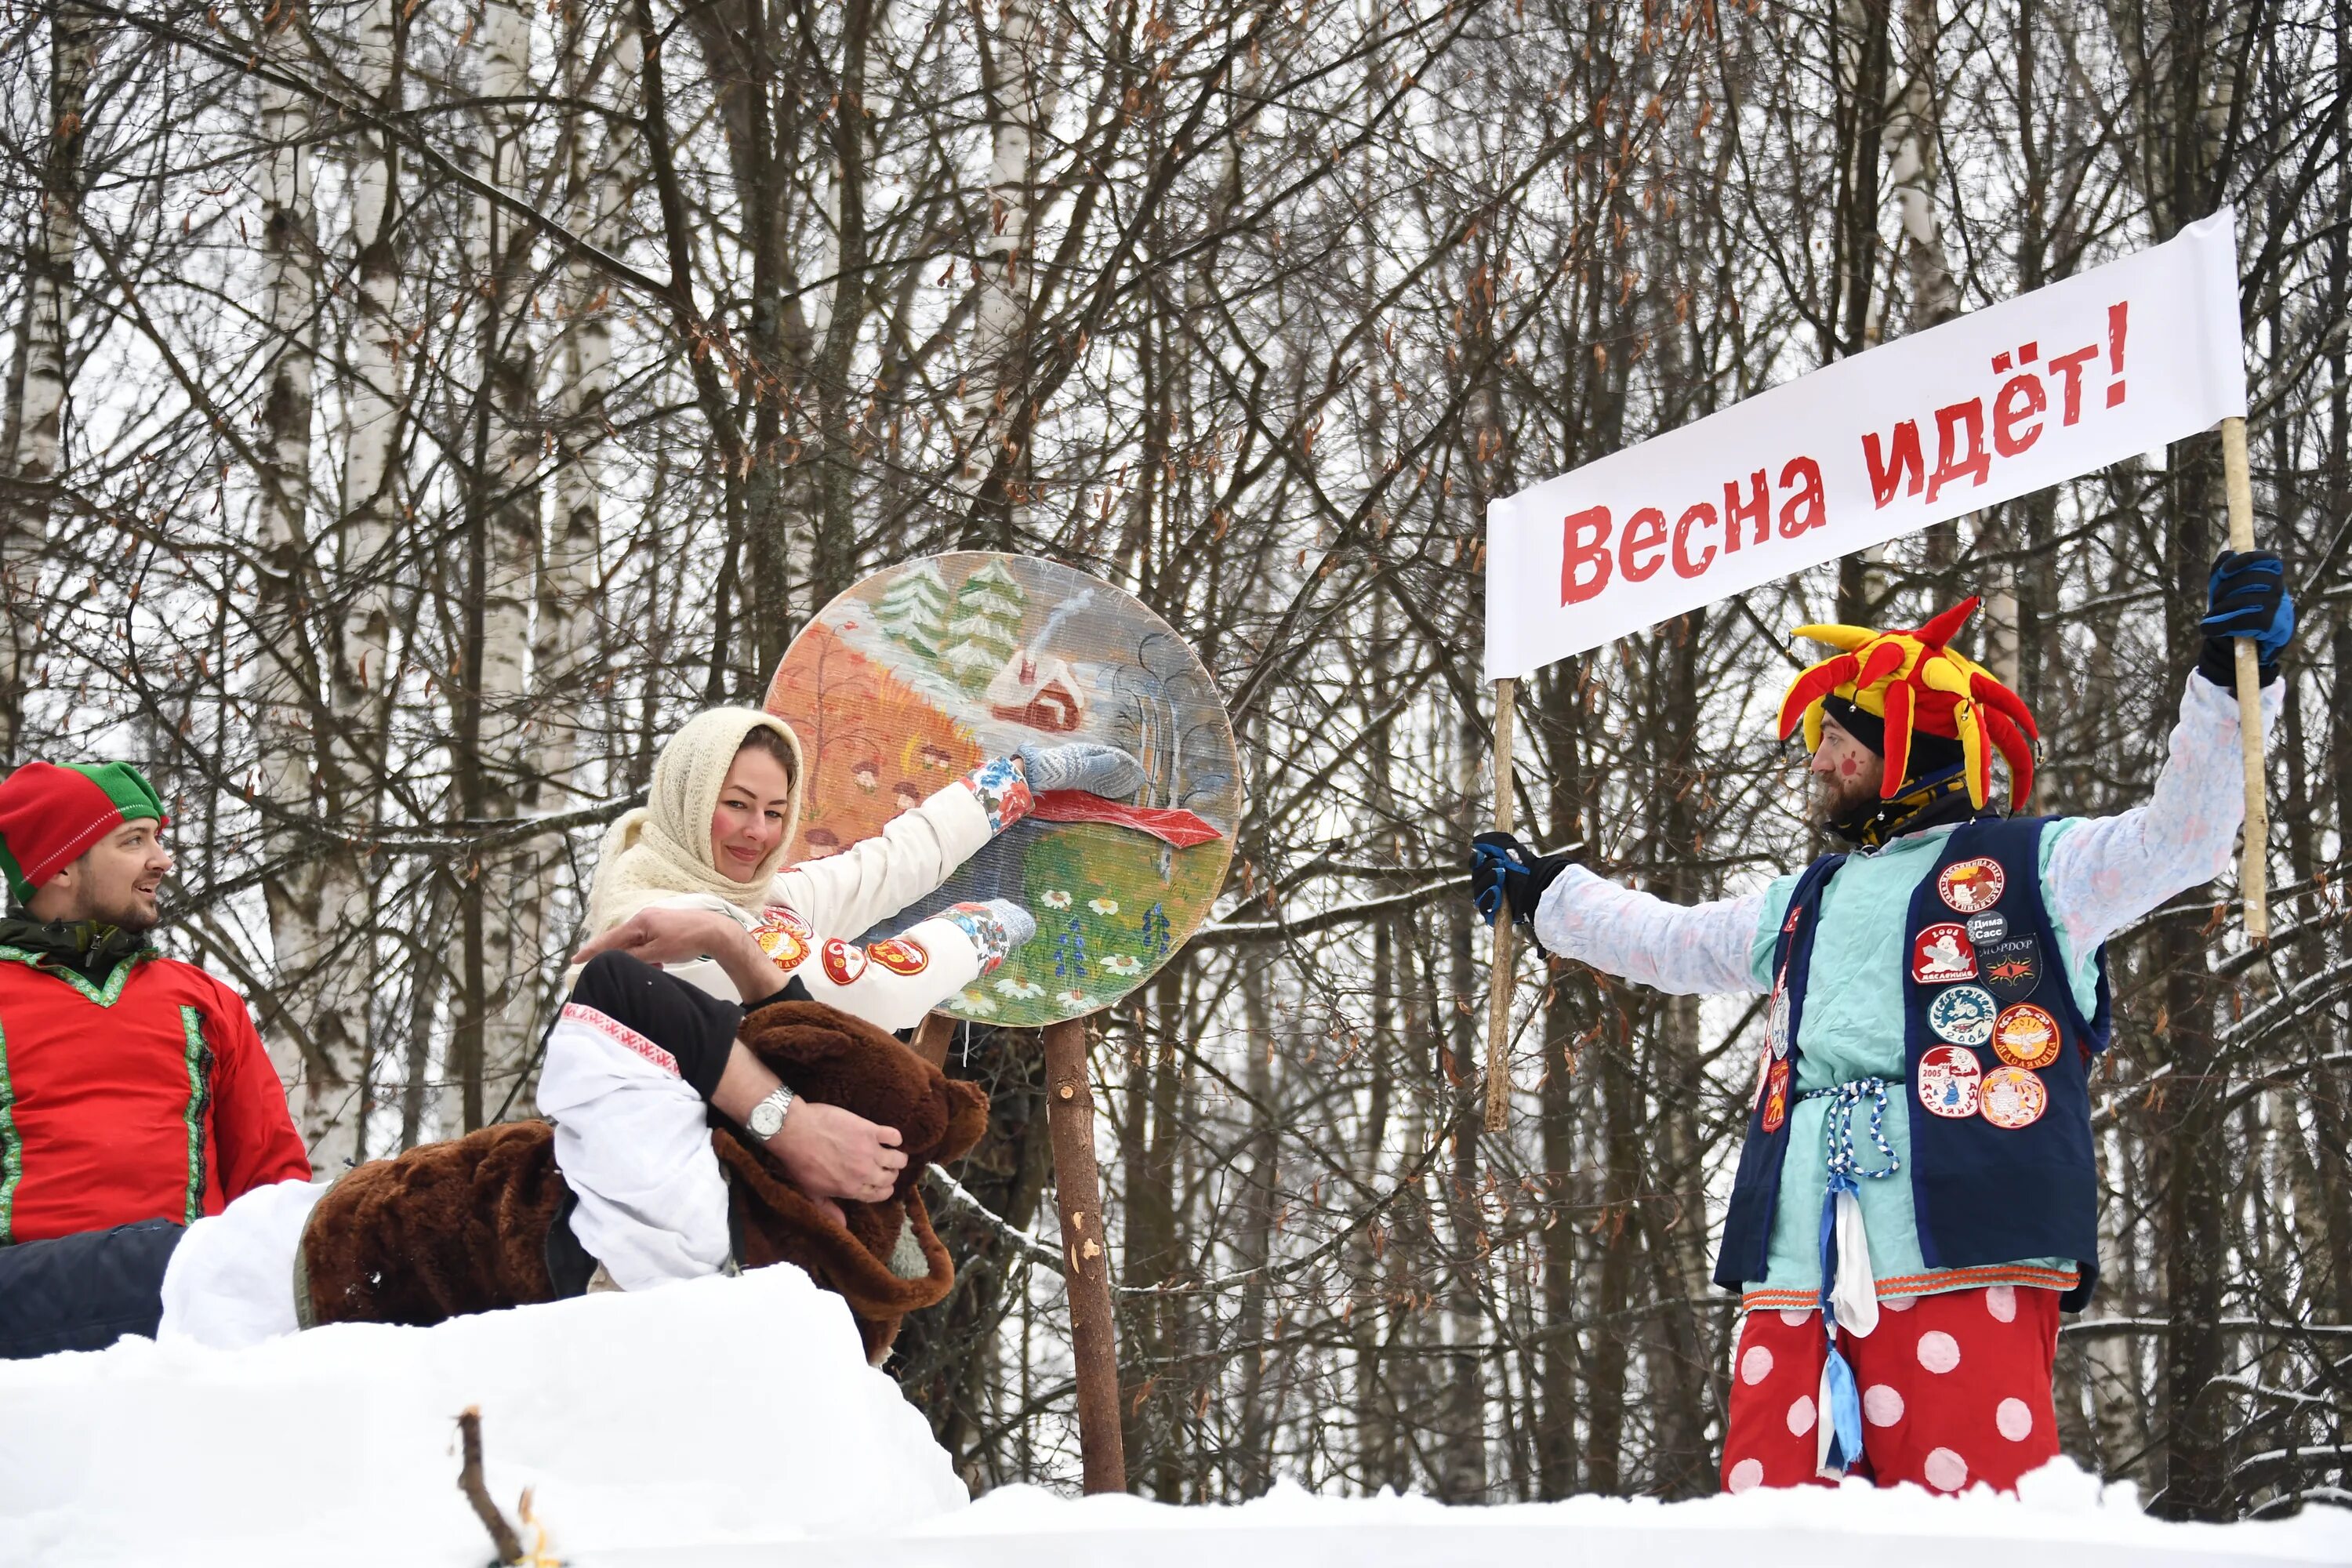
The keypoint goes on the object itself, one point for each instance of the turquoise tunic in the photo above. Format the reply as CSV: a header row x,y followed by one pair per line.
x,y
1852,1029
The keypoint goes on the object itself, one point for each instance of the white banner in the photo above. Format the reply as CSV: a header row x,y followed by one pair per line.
x,y
2058,382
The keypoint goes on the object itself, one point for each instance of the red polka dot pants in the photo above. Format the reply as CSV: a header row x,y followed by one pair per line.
x,y
1955,1390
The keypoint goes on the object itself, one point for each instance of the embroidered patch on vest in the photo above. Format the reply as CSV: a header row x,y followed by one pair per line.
x,y
1776,1022
2026,1037
1776,1097
2012,968
899,954
1985,929
842,963
1963,1015
2013,1097
1948,1081
1971,887
1942,954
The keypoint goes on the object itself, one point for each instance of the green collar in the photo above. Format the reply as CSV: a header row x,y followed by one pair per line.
x,y
94,959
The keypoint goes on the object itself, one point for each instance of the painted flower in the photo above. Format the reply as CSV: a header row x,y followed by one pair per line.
x,y
973,1002
1020,990
1123,964
1075,999
1054,898
1103,906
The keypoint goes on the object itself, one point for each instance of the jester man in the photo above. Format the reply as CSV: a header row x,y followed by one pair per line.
x,y
1916,1200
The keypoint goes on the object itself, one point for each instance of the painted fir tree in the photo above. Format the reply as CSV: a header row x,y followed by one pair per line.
x,y
986,625
914,609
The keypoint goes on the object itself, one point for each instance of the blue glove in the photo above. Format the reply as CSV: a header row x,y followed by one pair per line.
x,y
1503,872
2245,597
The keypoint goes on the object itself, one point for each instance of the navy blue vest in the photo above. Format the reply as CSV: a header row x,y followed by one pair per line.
x,y
1996,1067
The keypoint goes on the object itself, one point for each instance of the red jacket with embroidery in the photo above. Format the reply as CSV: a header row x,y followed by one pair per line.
x,y
149,1097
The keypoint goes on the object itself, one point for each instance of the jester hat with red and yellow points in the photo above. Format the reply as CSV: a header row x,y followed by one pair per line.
x,y
1918,687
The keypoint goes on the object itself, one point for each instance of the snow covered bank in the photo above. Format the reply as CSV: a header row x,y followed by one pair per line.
x,y
723,1410
2062,1522
733,1422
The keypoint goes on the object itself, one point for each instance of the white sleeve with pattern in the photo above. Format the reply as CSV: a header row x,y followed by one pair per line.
x,y
2105,872
889,984
1690,949
917,849
631,1142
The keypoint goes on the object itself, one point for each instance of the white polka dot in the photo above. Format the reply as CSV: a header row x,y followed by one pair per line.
x,y
1938,1351
1794,1319
2000,1300
1746,1476
2015,1419
1801,1415
1946,1471
1881,1406
1896,1303
1755,1365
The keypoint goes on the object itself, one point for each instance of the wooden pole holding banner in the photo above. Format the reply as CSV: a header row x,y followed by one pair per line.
x,y
1498,990
1077,1193
2253,865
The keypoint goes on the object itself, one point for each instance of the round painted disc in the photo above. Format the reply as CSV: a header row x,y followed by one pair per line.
x,y
924,670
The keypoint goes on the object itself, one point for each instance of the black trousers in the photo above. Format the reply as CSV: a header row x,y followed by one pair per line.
x,y
83,1292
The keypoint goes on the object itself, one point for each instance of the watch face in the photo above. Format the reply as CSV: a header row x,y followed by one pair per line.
x,y
767,1118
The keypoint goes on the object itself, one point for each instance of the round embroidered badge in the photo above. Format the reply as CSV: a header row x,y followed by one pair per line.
x,y
1948,1081
1985,928
1775,1025
1971,887
2026,1037
1963,1015
899,954
2013,1098
843,963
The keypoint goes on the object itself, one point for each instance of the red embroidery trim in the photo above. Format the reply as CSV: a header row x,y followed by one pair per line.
x,y
620,1034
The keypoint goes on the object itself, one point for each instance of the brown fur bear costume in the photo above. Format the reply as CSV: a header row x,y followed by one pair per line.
x,y
462,1226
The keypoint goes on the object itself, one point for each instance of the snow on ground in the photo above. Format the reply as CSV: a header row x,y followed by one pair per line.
x,y
733,1422
721,1410
2064,1520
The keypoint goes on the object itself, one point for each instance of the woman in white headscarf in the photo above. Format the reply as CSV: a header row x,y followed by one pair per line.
x,y
694,883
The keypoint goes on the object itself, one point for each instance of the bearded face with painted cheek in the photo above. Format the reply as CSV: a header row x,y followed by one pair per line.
x,y
1845,775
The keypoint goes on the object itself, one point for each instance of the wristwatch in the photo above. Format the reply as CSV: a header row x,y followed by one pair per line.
x,y
766,1117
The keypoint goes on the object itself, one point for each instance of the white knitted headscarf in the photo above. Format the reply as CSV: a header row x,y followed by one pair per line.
x,y
663,848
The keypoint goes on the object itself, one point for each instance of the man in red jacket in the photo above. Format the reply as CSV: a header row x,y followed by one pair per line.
x,y
135,1097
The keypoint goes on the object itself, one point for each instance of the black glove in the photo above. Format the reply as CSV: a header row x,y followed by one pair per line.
x,y
1502,872
2245,597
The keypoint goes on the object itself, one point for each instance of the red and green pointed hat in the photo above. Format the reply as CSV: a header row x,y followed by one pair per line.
x,y
49,815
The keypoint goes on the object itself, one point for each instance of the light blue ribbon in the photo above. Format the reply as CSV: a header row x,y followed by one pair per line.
x,y
1845,1174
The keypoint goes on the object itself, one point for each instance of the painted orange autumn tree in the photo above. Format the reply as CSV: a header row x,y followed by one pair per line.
x,y
869,739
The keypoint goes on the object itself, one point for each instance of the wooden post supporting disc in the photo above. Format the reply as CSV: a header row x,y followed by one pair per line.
x,y
1078,1187
933,1038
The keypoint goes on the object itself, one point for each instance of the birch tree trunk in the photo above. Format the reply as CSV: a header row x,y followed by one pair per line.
x,y
352,759
36,425
600,178
507,455
315,1045
997,369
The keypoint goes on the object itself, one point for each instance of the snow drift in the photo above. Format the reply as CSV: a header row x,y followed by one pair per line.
x,y
734,1421
715,1411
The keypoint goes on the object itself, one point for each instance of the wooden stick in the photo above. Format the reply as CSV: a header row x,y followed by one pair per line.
x,y
2253,864
1077,1193
933,1038
1498,987
503,1539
